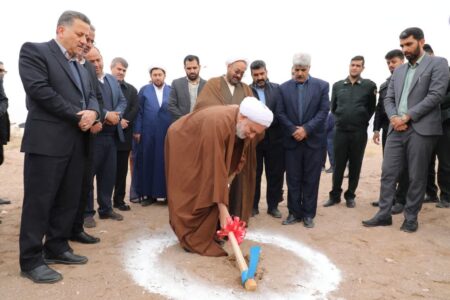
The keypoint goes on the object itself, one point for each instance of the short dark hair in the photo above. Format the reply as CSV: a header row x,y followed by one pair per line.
x,y
427,48
191,57
415,32
258,64
394,53
358,57
69,16
119,60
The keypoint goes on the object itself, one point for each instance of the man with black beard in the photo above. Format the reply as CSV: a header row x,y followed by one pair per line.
x,y
269,151
185,89
412,105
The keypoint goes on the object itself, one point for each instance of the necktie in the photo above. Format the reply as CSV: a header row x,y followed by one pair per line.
x,y
76,74
301,92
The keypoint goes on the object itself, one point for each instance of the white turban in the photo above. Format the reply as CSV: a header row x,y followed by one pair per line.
x,y
157,66
256,111
234,59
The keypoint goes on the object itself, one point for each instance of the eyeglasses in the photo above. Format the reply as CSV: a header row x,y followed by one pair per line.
x,y
3,71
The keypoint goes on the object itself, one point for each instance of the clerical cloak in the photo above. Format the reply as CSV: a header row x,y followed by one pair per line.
x,y
202,151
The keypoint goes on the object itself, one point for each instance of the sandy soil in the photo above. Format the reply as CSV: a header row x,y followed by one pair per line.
x,y
377,263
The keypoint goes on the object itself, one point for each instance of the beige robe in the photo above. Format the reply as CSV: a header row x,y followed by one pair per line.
x,y
201,151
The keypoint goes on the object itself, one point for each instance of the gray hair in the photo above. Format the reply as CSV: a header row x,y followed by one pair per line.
x,y
67,18
301,59
119,60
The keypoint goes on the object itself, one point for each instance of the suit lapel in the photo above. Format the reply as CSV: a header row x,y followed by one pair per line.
x,y
200,86
154,97
186,90
294,96
420,69
112,84
166,92
400,82
62,60
307,99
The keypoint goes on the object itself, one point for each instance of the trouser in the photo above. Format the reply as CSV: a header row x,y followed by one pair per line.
x,y
443,153
52,187
303,169
349,146
121,177
272,157
85,190
415,150
104,170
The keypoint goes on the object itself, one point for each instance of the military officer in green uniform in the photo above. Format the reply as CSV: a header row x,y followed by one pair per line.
x,y
353,104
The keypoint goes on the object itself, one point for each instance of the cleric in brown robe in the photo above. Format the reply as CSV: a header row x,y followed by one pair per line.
x,y
204,150
225,90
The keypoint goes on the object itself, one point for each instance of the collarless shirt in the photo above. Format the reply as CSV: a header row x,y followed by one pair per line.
x,y
193,92
159,94
261,94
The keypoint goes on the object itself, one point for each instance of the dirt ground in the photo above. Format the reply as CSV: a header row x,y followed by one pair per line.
x,y
372,263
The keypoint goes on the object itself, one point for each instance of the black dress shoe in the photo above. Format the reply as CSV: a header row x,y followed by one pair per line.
x,y
443,204
84,238
42,274
274,213
255,212
409,226
397,208
330,202
148,201
66,258
5,201
308,222
350,203
291,219
122,207
111,215
430,198
136,200
375,221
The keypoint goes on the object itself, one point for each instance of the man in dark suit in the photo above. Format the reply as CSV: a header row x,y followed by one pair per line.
x,y
119,68
4,121
61,108
302,110
105,143
394,59
412,105
184,91
269,151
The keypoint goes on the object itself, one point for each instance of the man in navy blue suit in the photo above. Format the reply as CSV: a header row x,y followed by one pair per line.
x,y
104,161
302,110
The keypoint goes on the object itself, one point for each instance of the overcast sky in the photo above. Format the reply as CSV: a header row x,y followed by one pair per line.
x,y
164,32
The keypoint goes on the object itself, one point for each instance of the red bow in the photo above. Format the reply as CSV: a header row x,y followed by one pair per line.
x,y
234,225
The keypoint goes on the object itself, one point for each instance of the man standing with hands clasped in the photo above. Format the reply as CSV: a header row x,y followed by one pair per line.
x,y
412,105
61,109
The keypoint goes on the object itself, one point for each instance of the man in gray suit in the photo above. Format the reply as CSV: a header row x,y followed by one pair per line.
x,y
412,105
185,89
